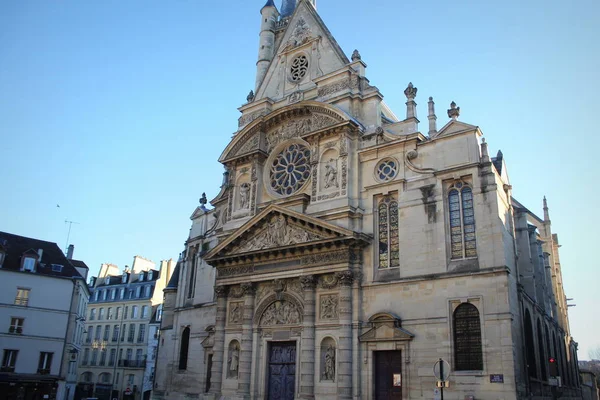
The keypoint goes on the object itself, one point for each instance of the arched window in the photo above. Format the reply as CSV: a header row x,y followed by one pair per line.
x,y
530,346
87,377
467,338
462,221
183,350
541,350
389,245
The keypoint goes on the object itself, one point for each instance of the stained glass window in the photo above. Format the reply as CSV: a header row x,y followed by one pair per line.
x,y
467,338
290,169
389,242
462,221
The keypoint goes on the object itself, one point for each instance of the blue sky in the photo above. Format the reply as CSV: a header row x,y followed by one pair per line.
x,y
118,110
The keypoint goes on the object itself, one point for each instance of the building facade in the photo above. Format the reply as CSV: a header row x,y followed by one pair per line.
x,y
350,250
42,308
115,352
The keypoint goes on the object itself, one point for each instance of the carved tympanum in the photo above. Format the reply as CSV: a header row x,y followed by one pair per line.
x,y
278,233
280,313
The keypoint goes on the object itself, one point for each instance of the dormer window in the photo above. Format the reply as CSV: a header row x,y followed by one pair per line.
x,y
57,268
29,263
149,274
107,280
124,278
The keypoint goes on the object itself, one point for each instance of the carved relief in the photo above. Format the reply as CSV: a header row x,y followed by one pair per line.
x,y
300,35
262,290
329,306
297,127
235,292
348,83
278,233
328,281
247,118
221,291
295,97
280,313
331,257
345,278
293,285
308,282
235,312
230,271
233,360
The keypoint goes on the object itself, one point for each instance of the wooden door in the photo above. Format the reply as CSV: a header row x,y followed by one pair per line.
x,y
388,375
282,371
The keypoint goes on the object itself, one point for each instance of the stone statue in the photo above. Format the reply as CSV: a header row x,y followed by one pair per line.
x,y
329,370
244,195
331,174
234,361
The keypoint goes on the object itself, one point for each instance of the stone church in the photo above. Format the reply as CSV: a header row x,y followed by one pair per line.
x,y
349,249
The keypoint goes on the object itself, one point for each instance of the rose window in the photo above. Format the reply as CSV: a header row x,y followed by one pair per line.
x,y
299,68
386,170
290,169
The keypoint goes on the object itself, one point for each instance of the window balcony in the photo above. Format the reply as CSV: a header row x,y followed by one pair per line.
x,y
43,371
15,329
7,369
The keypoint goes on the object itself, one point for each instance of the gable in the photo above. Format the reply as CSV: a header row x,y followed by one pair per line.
x,y
276,228
306,36
454,127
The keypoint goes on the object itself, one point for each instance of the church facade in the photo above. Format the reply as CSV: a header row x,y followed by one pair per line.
x,y
349,250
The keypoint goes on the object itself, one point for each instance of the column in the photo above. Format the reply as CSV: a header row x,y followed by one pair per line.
x,y
216,373
245,366
344,362
307,343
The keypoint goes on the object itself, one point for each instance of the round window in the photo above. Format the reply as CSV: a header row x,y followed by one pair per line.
x,y
387,170
299,68
290,169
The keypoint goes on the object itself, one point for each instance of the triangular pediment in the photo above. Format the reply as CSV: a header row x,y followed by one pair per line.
x,y
306,34
455,127
277,229
385,333
385,327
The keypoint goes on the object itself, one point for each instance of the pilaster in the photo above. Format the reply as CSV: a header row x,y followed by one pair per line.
x,y
219,346
344,377
307,344
245,367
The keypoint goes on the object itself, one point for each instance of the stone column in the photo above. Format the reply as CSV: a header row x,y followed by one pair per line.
x,y
344,362
307,343
245,365
216,373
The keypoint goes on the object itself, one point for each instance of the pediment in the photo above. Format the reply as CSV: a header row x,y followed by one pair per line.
x,y
306,33
293,121
385,327
277,229
454,127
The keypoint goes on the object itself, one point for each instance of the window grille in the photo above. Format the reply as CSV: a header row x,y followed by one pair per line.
x,y
467,338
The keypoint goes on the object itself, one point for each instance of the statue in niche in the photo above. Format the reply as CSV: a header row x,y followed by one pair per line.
x,y
329,307
244,195
329,368
331,179
234,361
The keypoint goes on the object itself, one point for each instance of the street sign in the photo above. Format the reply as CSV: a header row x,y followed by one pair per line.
x,y
552,381
497,378
441,370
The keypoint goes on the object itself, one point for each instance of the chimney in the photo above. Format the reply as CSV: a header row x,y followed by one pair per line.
x,y
70,252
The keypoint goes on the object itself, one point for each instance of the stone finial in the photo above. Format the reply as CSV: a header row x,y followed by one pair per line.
x,y
410,91
225,178
250,96
203,200
356,56
485,156
431,117
454,111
